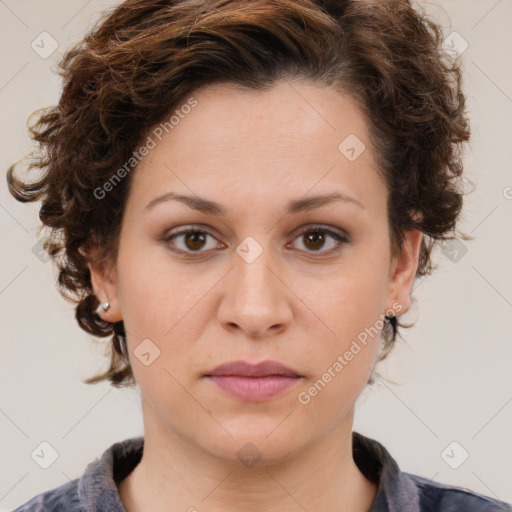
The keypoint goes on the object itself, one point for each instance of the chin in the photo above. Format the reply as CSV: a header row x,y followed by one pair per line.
x,y
264,442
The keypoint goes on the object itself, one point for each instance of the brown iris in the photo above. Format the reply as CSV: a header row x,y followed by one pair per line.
x,y
317,238
192,239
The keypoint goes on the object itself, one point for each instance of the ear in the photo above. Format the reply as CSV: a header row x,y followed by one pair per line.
x,y
104,283
403,269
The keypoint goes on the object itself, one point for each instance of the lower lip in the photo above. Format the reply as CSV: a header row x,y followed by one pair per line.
x,y
253,389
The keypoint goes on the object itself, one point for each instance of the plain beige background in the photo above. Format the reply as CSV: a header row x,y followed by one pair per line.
x,y
454,372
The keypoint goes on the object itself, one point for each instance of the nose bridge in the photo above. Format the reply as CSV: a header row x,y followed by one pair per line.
x,y
257,300
254,262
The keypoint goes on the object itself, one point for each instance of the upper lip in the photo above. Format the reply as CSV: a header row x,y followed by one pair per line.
x,y
262,369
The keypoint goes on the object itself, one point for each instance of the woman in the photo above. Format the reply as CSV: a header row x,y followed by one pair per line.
x,y
246,193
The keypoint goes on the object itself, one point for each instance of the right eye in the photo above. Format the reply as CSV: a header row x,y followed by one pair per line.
x,y
191,241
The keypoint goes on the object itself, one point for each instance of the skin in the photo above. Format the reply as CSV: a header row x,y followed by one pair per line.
x,y
299,302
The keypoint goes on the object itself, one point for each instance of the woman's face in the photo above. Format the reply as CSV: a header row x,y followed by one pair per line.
x,y
248,286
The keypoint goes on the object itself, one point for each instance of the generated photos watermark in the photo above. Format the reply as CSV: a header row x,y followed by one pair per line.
x,y
304,397
157,134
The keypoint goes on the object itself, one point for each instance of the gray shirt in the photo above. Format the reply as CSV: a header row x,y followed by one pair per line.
x,y
96,490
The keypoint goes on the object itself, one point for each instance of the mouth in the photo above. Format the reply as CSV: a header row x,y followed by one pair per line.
x,y
253,383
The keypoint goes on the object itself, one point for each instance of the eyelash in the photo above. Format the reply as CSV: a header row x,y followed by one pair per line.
x,y
342,240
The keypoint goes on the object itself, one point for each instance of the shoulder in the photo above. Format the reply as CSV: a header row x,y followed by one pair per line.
x,y
96,489
435,497
60,499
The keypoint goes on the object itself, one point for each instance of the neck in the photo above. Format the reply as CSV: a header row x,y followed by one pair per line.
x,y
175,474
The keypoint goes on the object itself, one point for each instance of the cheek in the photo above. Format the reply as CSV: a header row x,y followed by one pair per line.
x,y
355,319
351,296
154,290
344,358
349,307
171,305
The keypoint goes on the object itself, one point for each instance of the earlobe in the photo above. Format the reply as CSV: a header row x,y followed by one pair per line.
x,y
405,266
104,284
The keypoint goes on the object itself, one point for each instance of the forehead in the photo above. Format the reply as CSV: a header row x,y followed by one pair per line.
x,y
292,137
279,119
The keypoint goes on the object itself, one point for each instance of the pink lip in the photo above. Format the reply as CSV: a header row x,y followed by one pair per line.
x,y
253,383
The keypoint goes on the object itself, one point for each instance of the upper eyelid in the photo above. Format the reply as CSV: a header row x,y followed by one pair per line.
x,y
298,231
321,227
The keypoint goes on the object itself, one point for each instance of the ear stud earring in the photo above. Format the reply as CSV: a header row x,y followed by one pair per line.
x,y
103,306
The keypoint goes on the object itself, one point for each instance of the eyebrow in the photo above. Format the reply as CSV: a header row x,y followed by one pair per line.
x,y
204,205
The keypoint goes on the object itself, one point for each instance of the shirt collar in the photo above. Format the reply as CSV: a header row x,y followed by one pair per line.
x,y
97,488
98,491
396,492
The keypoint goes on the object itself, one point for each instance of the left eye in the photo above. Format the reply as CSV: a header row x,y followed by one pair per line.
x,y
313,239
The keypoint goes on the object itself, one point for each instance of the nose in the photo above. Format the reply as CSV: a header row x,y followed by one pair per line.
x,y
256,300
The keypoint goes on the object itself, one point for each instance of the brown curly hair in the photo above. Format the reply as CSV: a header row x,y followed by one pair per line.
x,y
144,57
